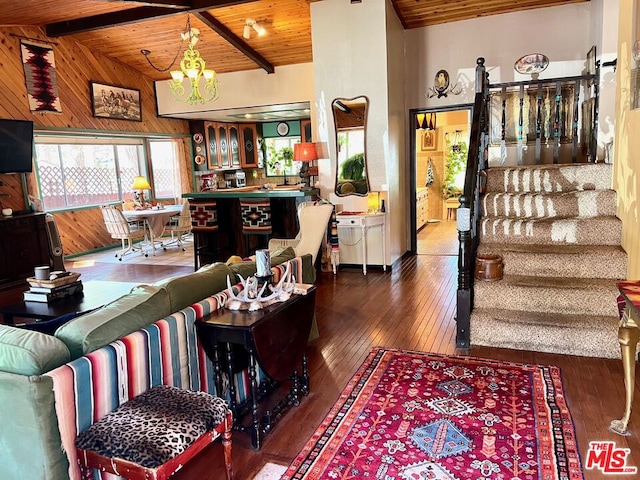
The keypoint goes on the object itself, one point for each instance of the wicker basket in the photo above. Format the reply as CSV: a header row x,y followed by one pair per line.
x,y
58,282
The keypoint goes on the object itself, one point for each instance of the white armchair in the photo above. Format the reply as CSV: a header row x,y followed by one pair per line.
x,y
313,219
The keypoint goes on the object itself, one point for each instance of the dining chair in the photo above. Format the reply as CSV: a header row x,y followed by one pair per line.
x,y
120,229
179,227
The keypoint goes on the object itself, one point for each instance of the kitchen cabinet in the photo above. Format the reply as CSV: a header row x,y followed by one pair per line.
x,y
223,145
250,155
422,207
305,131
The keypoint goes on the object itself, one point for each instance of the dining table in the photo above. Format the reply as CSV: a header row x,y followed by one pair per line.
x,y
155,218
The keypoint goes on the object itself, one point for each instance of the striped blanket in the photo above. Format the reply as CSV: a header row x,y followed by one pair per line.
x,y
166,352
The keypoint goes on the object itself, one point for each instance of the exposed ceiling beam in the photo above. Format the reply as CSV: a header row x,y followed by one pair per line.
x,y
132,15
222,30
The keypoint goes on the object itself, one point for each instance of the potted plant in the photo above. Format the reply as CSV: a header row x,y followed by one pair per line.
x,y
455,169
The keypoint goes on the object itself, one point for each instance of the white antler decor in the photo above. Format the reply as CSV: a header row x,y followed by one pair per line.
x,y
253,298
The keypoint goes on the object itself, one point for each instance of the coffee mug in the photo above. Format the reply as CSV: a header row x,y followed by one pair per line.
x,y
42,273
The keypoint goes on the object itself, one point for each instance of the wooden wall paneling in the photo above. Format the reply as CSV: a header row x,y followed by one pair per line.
x,y
76,66
11,195
82,230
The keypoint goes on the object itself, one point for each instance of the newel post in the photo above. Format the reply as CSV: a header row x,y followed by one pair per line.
x,y
463,318
480,75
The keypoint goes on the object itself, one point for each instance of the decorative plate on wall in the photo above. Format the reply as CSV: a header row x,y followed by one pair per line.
x,y
199,159
199,149
531,63
283,129
198,138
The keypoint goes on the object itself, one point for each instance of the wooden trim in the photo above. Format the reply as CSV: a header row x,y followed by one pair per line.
x,y
125,17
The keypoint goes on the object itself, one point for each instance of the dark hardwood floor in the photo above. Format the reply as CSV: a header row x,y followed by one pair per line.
x,y
410,307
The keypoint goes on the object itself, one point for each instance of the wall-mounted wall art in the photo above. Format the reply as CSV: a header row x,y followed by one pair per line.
x,y
427,140
40,75
111,101
442,85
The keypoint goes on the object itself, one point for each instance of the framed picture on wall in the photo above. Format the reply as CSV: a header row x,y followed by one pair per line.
x,y
427,140
110,101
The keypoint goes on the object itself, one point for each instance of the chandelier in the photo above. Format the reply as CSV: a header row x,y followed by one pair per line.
x,y
192,66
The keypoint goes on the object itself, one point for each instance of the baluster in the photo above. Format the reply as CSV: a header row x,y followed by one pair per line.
x,y
520,124
596,108
503,134
539,124
556,124
576,105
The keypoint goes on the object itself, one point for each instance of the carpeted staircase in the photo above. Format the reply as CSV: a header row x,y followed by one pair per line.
x,y
555,227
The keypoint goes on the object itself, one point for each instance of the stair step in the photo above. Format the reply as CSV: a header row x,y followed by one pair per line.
x,y
584,203
580,261
550,178
586,296
603,230
567,334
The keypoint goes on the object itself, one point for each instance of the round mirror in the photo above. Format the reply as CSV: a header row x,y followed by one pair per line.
x,y
350,120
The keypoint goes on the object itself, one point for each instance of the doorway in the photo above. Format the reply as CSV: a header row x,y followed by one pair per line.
x,y
440,140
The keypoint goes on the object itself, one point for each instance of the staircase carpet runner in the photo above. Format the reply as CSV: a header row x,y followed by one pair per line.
x,y
414,415
556,230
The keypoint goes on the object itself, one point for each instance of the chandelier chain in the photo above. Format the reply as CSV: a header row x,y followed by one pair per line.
x,y
146,52
173,62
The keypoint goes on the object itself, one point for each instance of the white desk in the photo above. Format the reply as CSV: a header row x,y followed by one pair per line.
x,y
364,221
156,219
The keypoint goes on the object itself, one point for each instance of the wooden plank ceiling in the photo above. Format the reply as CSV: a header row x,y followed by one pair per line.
x,y
125,29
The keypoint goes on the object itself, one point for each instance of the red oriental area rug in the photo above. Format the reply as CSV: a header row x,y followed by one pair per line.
x,y
413,415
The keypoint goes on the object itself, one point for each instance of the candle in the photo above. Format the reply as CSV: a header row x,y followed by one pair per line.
x,y
263,263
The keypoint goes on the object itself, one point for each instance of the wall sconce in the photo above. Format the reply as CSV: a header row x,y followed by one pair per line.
x,y
248,25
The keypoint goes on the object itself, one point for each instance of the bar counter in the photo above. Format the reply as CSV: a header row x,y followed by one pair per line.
x,y
229,240
253,192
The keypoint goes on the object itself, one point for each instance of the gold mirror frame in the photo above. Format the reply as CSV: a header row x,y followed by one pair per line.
x,y
350,122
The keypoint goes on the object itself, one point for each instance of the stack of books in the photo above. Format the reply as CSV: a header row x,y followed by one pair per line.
x,y
46,291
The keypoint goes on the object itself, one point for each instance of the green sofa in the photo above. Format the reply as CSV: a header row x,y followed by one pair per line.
x,y
32,438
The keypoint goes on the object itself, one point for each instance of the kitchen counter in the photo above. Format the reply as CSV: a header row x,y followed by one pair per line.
x,y
228,239
253,192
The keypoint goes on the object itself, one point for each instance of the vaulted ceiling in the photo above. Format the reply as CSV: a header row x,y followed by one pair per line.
x,y
121,29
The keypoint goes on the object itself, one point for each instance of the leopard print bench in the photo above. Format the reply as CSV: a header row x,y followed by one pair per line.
x,y
156,433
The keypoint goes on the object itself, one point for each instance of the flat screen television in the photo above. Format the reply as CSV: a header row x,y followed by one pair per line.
x,y
16,146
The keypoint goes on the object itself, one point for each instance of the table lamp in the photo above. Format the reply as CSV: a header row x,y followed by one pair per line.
x,y
140,183
305,153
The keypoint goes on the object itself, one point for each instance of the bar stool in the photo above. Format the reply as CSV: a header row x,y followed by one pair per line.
x,y
256,220
204,226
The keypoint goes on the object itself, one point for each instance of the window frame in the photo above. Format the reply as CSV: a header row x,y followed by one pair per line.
x,y
141,141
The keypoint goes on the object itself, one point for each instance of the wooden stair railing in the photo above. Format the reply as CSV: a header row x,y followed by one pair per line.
x,y
469,213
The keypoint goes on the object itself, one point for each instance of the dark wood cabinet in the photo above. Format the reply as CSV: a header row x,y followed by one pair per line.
x,y
23,246
249,146
305,131
223,144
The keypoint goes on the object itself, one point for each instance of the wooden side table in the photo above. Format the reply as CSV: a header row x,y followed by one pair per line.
x,y
275,338
628,336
